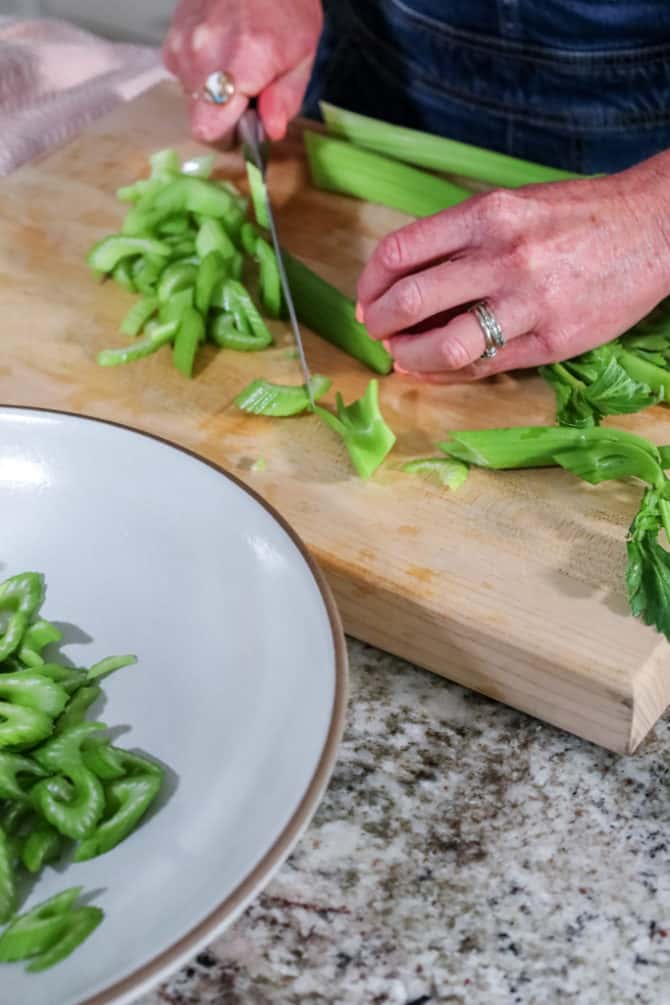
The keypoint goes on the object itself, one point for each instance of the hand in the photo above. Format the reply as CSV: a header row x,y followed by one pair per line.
x,y
564,266
268,47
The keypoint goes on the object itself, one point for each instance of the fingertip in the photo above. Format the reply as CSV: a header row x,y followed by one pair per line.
x,y
273,114
275,128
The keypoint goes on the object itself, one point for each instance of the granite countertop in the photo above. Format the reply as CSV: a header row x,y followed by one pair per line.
x,y
464,853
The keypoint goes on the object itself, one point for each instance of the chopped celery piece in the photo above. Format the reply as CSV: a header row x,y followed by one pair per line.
x,y
164,163
108,665
364,432
233,298
262,397
190,333
176,226
176,277
106,254
199,167
158,336
259,195
211,272
447,471
174,308
123,275
272,296
223,332
212,236
138,315
341,167
249,236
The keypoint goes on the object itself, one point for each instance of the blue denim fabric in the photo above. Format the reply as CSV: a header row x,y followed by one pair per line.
x,y
578,84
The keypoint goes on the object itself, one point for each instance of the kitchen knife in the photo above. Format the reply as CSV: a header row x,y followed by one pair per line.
x,y
252,136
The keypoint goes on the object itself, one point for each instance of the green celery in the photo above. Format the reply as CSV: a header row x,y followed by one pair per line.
x,y
190,333
339,166
259,197
437,152
261,397
448,472
331,315
364,432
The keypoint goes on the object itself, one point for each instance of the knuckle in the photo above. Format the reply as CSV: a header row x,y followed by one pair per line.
x,y
408,299
525,257
500,209
555,342
454,354
391,252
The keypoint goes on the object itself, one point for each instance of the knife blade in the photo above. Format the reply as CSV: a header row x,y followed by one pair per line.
x,y
252,136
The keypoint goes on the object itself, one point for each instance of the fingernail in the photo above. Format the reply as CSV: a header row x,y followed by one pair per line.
x,y
360,317
400,369
386,342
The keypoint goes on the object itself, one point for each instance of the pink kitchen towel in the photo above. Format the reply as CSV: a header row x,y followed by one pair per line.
x,y
56,78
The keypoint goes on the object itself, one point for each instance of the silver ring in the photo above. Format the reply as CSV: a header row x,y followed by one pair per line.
x,y
218,89
491,330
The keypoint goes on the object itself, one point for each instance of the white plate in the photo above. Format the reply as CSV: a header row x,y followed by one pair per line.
x,y
239,690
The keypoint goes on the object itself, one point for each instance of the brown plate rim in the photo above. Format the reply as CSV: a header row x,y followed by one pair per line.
x,y
161,964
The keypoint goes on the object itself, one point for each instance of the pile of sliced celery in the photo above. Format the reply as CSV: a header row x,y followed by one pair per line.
x,y
65,788
183,247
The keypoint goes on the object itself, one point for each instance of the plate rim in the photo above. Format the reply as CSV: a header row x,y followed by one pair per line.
x,y
159,966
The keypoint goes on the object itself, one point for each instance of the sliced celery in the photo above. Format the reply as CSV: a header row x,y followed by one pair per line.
x,y
262,397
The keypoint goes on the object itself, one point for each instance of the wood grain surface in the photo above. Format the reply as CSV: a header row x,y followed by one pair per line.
x,y
513,586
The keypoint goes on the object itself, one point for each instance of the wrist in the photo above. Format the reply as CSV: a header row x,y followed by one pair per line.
x,y
645,190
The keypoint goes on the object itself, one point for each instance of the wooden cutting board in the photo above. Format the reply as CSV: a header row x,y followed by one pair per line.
x,y
513,586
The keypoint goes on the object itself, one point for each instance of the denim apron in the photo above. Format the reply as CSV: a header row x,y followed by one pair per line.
x,y
577,84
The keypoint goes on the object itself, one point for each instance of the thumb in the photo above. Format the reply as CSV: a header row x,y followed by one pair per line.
x,y
282,99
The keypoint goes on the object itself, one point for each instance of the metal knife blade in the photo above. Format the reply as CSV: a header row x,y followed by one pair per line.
x,y
252,136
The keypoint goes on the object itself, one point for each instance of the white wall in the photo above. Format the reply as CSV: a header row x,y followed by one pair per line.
x,y
129,20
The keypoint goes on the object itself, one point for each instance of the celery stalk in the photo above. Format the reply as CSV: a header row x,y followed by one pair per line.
x,y
331,315
533,446
437,152
342,167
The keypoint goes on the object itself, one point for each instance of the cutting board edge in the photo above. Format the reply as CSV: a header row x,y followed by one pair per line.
x,y
651,695
617,718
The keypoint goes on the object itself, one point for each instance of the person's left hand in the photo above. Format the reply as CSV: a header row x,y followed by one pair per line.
x,y
563,266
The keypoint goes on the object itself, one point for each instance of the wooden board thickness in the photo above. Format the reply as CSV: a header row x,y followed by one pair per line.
x,y
513,586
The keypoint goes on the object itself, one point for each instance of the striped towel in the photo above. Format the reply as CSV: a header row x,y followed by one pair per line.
x,y
56,78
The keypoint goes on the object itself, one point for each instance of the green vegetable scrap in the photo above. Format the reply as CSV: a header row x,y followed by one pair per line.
x,y
609,380
49,932
364,432
448,472
261,397
258,194
61,780
595,454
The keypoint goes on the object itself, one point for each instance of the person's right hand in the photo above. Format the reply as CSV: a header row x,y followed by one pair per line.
x,y
268,46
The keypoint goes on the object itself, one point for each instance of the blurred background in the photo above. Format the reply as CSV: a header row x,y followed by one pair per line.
x,y
143,21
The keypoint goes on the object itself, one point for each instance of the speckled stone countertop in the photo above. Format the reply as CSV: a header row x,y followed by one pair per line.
x,y
464,853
